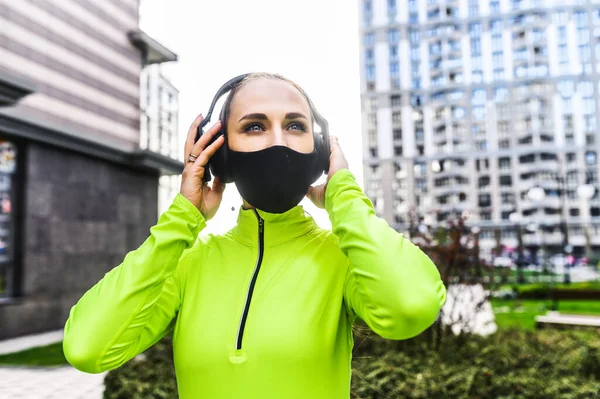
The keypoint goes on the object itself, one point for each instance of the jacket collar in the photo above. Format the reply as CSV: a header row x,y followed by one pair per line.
x,y
278,227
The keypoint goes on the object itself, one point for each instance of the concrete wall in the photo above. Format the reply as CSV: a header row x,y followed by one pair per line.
x,y
82,216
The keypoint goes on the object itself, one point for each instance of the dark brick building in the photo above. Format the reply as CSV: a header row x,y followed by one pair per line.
x,y
78,177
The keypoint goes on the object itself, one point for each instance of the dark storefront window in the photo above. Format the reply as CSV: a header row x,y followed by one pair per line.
x,y
8,169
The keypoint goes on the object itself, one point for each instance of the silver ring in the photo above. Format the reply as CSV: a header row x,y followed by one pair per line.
x,y
190,159
192,156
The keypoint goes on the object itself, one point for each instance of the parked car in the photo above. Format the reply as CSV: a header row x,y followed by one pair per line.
x,y
504,261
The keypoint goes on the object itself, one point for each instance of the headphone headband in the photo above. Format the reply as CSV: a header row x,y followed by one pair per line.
x,y
223,90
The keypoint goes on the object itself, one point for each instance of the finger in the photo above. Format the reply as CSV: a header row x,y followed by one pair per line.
x,y
205,139
209,151
313,191
334,143
189,141
218,186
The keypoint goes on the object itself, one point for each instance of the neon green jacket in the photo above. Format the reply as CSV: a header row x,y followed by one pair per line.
x,y
264,311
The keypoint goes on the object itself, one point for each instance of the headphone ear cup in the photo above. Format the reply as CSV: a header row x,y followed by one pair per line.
x,y
216,163
322,150
324,153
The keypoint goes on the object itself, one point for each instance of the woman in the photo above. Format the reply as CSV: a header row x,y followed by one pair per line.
x,y
266,310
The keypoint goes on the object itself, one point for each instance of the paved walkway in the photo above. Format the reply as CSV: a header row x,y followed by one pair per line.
x,y
49,382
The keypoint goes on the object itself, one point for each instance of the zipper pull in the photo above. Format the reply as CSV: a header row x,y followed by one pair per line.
x,y
261,225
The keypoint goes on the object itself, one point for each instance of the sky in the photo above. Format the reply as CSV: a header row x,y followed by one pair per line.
x,y
313,42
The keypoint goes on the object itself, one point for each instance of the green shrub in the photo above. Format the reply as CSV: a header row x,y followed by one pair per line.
x,y
587,290
510,364
149,376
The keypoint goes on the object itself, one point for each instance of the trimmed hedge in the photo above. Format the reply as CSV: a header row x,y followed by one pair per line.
x,y
584,291
510,364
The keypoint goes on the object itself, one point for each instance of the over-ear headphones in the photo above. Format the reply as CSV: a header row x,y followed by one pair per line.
x,y
217,165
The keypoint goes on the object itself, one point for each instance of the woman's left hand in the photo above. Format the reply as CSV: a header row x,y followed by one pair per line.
x,y
337,161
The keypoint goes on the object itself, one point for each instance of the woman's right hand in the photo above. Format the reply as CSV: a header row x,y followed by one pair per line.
x,y
206,199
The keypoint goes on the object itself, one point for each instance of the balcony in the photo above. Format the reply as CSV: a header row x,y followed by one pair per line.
x,y
519,62
519,42
436,70
542,239
438,122
530,183
547,202
432,5
539,166
540,58
460,207
507,207
451,189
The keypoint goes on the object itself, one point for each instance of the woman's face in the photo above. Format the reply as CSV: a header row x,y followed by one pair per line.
x,y
269,112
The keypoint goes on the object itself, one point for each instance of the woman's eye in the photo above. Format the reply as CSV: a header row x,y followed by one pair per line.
x,y
253,127
297,126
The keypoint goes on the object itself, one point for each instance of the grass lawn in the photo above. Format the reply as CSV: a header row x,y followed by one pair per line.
x,y
587,285
521,313
50,355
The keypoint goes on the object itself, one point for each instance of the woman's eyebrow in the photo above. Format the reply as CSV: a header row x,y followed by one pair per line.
x,y
295,115
260,117
263,117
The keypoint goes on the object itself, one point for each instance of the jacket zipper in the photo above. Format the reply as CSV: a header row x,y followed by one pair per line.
x,y
261,248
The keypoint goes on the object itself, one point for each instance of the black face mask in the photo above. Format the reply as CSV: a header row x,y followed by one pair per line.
x,y
275,179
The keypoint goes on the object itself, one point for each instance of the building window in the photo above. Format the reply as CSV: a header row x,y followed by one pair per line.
x,y
473,8
397,134
505,143
476,46
484,181
475,29
396,101
413,12
590,158
507,199
391,10
8,183
563,54
478,112
495,6
590,139
504,164
506,180
484,200
368,12
372,137
500,94
394,70
372,121
370,72
393,36
372,104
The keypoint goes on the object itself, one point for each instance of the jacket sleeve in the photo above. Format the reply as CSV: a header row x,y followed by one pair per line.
x,y
390,283
134,304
